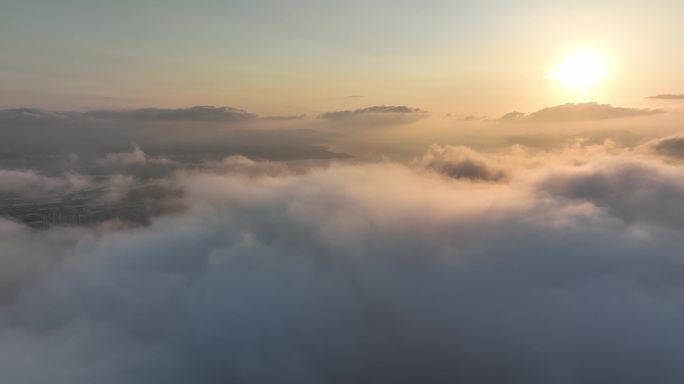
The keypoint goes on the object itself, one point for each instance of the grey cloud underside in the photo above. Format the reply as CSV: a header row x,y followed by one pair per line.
x,y
463,163
199,113
566,272
667,97
632,190
575,112
672,146
394,114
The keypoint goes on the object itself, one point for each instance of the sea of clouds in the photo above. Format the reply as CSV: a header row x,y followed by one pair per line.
x,y
460,266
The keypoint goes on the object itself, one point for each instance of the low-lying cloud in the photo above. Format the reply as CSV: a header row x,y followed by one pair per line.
x,y
632,189
33,136
136,156
667,97
671,146
198,113
34,115
28,181
377,115
192,114
243,166
461,162
576,112
567,269
30,184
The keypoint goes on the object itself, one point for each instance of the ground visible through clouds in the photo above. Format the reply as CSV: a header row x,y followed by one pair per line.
x,y
383,244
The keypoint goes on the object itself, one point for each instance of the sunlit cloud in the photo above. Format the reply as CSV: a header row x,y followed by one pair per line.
x,y
667,97
577,112
328,192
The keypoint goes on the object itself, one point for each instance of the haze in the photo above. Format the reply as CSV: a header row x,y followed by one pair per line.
x,y
327,192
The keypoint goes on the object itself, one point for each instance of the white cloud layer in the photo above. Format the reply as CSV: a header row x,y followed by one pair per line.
x,y
566,270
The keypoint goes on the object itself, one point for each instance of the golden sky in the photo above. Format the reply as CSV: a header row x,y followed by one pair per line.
x,y
271,57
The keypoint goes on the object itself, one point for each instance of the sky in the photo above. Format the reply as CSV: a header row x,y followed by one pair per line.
x,y
319,192
304,57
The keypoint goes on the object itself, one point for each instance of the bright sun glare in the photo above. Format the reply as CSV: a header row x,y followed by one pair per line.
x,y
580,71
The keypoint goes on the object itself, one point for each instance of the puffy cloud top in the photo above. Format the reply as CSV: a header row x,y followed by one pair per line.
x,y
462,162
567,271
671,146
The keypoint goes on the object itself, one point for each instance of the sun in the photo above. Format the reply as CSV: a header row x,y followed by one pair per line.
x,y
580,71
